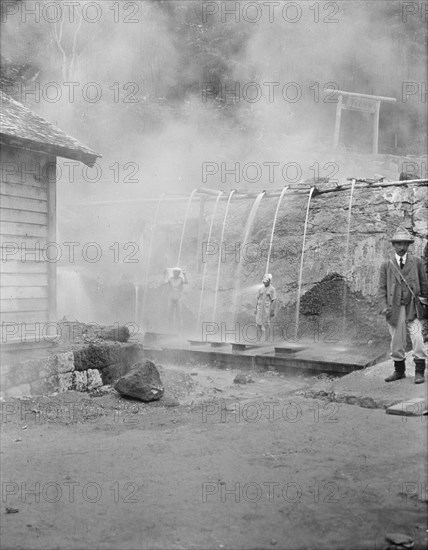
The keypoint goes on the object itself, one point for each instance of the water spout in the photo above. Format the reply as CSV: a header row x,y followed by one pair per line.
x,y
347,271
299,288
205,263
136,303
248,227
74,300
192,194
273,227
219,254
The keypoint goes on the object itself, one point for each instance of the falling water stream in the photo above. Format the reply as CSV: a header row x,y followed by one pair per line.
x,y
205,263
219,254
299,289
248,227
74,300
149,259
137,288
189,204
346,270
273,227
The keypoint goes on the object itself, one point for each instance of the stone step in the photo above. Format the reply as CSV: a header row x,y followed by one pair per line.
x,y
244,347
412,407
197,342
289,349
219,344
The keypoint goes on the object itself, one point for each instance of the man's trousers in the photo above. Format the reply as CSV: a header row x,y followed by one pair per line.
x,y
399,340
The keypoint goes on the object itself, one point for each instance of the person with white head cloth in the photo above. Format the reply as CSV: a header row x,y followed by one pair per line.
x,y
175,293
265,306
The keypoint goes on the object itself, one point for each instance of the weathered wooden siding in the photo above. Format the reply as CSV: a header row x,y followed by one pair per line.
x,y
27,214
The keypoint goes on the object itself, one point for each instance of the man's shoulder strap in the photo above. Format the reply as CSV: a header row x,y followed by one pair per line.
x,y
402,278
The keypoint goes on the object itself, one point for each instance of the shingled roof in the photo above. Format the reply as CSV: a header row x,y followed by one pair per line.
x,y
21,127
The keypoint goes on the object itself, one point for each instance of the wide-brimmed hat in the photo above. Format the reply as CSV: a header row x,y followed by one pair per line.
x,y
401,234
266,277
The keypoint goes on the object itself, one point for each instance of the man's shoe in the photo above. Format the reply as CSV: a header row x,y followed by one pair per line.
x,y
399,372
395,376
419,371
419,378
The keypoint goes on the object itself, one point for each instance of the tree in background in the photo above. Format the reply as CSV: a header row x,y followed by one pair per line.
x,y
171,52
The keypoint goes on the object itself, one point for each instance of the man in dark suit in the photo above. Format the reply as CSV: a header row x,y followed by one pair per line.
x,y
397,303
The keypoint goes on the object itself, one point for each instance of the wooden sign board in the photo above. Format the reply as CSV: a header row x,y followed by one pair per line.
x,y
362,104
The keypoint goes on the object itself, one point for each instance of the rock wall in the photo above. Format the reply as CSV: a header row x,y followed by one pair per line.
x,y
341,269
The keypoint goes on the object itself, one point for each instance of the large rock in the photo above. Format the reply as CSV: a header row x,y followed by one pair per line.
x,y
91,357
142,382
113,372
86,380
94,379
80,380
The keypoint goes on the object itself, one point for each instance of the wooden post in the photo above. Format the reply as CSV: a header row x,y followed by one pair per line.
x,y
337,123
376,128
52,273
200,233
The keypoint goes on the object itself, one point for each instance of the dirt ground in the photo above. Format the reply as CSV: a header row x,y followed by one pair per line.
x,y
212,465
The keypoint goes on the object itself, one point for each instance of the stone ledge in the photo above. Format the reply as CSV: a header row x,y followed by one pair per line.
x,y
58,372
367,388
33,369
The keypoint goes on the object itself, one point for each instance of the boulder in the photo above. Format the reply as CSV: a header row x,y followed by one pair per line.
x,y
242,378
113,372
399,541
141,382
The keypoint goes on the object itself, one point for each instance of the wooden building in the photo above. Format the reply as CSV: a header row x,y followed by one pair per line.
x,y
29,149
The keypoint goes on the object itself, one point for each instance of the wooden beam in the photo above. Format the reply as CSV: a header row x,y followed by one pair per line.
x,y
23,204
362,185
49,149
22,229
376,128
271,193
23,216
24,279
337,123
367,96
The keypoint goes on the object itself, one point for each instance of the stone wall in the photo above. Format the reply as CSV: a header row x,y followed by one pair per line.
x,y
83,369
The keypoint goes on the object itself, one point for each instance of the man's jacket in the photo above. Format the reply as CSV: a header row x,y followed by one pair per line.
x,y
391,286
